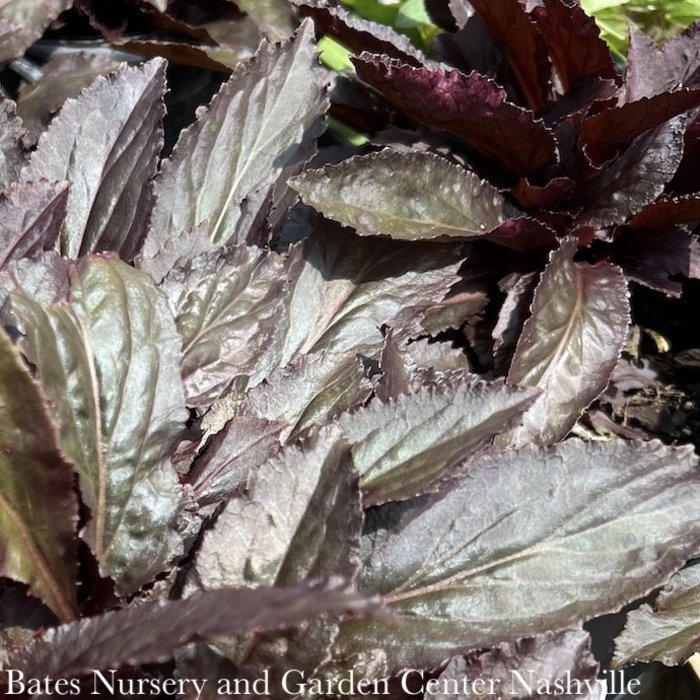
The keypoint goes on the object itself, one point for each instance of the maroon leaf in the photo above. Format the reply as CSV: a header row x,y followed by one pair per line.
x,y
667,211
523,234
634,179
151,632
511,27
359,34
605,133
31,216
541,196
574,42
450,15
473,107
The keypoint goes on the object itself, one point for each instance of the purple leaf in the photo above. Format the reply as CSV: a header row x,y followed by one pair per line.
x,y
405,195
106,143
574,43
261,122
634,179
31,216
109,359
555,663
603,134
652,70
472,107
524,45
152,632
24,22
667,211
526,542
13,152
570,344
668,632
359,34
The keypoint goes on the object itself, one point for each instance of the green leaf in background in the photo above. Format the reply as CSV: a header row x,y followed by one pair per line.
x,y
527,541
109,360
408,196
38,506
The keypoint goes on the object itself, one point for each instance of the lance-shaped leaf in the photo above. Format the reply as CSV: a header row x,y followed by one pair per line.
x,y
31,216
109,361
38,507
228,307
234,453
28,19
408,196
670,632
106,143
635,178
558,664
667,211
344,288
359,34
408,446
509,24
574,42
312,390
506,553
252,130
64,76
273,17
605,133
12,151
301,518
151,632
570,344
470,106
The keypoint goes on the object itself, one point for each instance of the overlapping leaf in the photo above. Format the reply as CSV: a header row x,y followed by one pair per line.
x,y
27,21
229,306
234,453
408,196
407,446
574,42
12,153
498,557
106,143
344,288
557,663
359,34
38,507
570,344
509,24
604,133
256,126
31,216
635,178
301,518
152,632
470,106
667,633
312,390
109,361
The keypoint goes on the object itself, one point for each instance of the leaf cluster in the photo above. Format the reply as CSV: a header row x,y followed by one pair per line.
x,y
256,386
